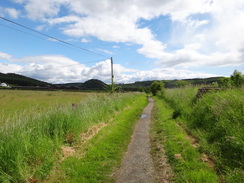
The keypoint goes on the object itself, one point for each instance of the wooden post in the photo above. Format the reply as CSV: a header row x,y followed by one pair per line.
x,y
112,76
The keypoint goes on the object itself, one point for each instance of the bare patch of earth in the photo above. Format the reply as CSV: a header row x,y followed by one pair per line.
x,y
68,151
195,143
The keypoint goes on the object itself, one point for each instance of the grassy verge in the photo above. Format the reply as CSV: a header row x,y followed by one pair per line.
x,y
30,147
216,120
103,154
184,158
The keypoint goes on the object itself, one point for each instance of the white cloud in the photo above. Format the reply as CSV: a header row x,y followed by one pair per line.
x,y
5,56
204,32
10,68
60,69
105,51
161,74
84,40
11,12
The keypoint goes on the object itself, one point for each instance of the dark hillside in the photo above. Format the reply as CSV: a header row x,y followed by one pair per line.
x,y
20,80
93,84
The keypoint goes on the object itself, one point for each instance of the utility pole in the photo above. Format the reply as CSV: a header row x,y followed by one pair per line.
x,y
112,75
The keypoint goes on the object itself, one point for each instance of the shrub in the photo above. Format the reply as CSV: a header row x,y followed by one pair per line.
x,y
156,87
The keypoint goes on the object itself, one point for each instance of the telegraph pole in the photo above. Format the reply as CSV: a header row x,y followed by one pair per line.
x,y
112,75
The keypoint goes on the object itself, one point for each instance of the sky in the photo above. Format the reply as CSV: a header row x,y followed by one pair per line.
x,y
147,39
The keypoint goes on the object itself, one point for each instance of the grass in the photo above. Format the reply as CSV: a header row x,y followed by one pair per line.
x,y
30,147
216,120
184,158
24,102
104,152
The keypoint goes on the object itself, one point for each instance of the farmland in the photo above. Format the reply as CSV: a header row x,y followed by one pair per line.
x,y
19,102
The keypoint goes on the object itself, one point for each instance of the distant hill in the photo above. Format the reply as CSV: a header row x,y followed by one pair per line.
x,y
92,84
168,83
20,80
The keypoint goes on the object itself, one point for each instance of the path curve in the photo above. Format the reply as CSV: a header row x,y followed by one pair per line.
x,y
137,165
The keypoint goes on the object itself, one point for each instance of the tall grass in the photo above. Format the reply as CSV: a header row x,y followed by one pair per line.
x,y
29,147
184,158
217,119
181,100
15,102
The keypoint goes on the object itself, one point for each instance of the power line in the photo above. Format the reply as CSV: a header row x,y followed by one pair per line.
x,y
45,40
46,35
22,32
93,61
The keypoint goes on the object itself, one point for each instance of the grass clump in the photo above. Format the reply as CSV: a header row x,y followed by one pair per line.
x,y
185,159
30,147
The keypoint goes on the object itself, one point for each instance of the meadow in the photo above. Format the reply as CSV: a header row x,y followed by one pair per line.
x,y
52,144
14,103
216,121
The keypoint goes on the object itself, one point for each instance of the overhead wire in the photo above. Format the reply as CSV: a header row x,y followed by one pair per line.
x,y
54,38
53,42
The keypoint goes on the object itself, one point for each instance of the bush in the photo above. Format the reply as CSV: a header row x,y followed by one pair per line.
x,y
156,87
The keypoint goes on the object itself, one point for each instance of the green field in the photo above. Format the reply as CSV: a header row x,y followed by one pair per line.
x,y
24,102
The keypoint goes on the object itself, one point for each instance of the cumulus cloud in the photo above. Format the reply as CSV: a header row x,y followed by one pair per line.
x,y
5,56
60,69
165,73
217,23
11,12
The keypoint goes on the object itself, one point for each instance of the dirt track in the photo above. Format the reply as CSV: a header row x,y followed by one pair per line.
x,y
137,165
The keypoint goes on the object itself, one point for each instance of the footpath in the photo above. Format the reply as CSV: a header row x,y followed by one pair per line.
x,y
137,165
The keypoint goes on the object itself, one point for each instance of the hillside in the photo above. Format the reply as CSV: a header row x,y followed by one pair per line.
x,y
20,80
168,83
92,84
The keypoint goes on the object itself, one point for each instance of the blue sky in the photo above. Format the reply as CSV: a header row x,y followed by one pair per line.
x,y
148,39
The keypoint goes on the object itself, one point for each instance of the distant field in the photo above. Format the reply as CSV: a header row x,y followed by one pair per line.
x,y
16,102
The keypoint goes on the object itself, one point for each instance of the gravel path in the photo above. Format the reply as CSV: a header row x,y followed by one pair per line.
x,y
137,165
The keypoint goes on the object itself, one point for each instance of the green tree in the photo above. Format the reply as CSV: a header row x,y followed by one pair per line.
x,y
156,87
237,79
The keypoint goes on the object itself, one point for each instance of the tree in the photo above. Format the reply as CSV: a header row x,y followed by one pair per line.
x,y
156,87
237,79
